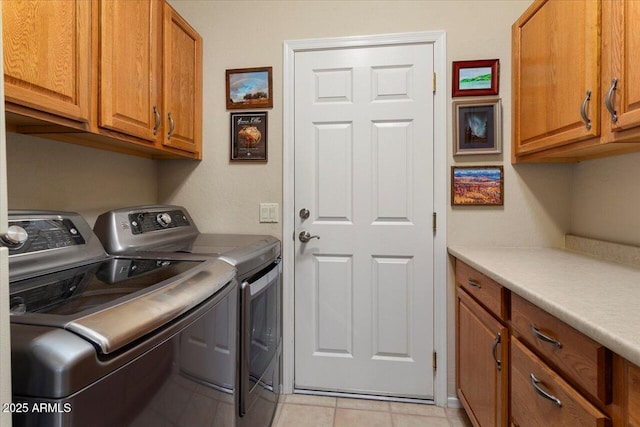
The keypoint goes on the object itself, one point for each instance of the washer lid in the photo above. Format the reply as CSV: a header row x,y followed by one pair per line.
x,y
113,303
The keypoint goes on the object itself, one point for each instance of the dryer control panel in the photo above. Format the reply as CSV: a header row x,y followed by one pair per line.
x,y
143,222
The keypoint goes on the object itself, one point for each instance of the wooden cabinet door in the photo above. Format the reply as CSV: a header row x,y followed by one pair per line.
x,y
130,66
556,51
482,381
633,395
47,56
623,44
182,83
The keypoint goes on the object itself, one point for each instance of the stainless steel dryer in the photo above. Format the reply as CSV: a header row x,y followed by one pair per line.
x,y
116,341
154,231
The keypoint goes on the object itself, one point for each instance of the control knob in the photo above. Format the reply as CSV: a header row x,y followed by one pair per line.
x,y
164,219
15,237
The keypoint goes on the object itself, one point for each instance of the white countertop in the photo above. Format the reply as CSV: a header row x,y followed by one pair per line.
x,y
600,299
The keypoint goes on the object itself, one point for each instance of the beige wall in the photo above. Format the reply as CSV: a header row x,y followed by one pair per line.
x,y
225,197
45,174
605,200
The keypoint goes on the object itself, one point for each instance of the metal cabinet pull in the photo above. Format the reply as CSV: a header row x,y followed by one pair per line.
x,y
583,110
543,337
607,100
172,126
158,119
473,283
493,351
541,392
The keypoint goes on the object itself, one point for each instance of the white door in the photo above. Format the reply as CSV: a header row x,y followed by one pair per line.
x,y
364,136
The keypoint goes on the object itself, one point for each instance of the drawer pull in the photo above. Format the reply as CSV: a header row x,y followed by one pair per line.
x,y
541,392
473,283
543,337
493,351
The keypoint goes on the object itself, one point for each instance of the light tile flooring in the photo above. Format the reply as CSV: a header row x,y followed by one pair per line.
x,y
298,410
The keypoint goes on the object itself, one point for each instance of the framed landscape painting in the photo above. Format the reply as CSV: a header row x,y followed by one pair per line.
x,y
477,186
475,78
249,88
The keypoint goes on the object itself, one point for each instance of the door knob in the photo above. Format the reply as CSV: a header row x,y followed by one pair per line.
x,y
304,213
304,236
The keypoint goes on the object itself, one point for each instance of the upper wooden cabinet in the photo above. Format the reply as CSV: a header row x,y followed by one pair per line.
x,y
565,55
622,63
182,83
47,56
130,60
121,75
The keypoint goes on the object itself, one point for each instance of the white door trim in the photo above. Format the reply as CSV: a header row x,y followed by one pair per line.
x,y
438,39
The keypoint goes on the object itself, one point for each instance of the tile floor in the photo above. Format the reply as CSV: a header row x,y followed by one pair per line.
x,y
298,410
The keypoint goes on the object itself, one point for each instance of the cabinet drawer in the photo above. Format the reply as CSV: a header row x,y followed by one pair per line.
x,y
486,291
582,360
563,406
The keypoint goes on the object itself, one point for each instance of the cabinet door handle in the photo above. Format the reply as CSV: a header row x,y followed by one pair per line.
x,y
541,392
172,126
543,337
493,351
473,283
158,119
607,100
583,110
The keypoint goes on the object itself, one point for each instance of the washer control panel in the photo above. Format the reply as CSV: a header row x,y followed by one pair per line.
x,y
144,222
35,235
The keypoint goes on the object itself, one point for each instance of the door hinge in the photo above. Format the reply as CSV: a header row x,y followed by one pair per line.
x,y
435,361
434,82
435,222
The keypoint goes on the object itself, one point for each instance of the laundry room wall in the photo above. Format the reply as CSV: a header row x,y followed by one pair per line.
x,y
225,196
52,175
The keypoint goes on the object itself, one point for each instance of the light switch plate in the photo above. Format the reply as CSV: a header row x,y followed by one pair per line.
x,y
268,212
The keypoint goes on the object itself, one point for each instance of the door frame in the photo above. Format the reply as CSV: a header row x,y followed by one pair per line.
x,y
290,47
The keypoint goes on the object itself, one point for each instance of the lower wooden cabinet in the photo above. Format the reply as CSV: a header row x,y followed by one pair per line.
x,y
541,397
483,363
575,356
633,396
518,365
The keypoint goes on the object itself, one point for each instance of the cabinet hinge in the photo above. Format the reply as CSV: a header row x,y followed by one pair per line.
x,y
434,82
435,222
435,361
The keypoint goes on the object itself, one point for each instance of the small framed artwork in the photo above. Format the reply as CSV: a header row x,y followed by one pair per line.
x,y
477,126
477,186
249,137
476,78
249,88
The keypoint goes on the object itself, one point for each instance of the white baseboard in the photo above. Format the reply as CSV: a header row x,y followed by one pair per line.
x,y
453,402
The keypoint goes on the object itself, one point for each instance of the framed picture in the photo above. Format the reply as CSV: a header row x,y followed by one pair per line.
x,y
476,78
249,88
477,126
477,185
249,137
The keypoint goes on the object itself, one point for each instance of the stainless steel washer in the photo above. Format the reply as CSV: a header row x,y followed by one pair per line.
x,y
101,340
160,229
